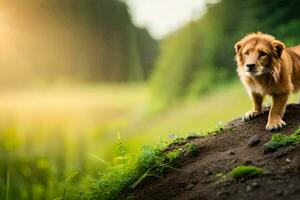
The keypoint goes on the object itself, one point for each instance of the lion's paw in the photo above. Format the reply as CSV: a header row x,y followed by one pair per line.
x,y
251,114
274,125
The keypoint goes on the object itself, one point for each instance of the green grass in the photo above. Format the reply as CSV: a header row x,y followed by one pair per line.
x,y
192,148
49,134
118,181
246,172
278,140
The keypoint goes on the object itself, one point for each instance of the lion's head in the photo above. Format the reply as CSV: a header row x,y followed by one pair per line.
x,y
258,54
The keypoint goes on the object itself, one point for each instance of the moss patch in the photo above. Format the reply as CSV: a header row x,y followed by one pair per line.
x,y
279,140
246,171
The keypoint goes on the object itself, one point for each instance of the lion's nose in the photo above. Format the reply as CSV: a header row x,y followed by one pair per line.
x,y
250,67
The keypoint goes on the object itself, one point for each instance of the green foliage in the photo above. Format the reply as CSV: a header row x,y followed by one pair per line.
x,y
278,140
87,40
172,157
42,175
246,171
122,178
193,149
26,172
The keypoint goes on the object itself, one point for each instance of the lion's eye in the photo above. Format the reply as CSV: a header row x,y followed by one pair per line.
x,y
262,53
247,52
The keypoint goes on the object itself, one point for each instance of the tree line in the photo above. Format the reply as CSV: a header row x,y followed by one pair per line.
x,y
89,40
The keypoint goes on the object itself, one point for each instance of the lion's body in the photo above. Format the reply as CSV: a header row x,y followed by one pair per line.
x,y
276,73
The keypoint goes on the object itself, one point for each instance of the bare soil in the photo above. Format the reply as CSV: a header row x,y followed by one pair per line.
x,y
206,176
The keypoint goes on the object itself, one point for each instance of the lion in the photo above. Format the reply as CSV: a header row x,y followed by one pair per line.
x,y
266,67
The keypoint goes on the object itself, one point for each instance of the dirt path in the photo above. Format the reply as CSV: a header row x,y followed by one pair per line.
x,y
202,177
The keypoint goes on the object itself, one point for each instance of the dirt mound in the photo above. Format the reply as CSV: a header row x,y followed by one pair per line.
x,y
202,176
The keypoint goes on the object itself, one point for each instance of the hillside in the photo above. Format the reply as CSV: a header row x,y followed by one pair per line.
x,y
207,175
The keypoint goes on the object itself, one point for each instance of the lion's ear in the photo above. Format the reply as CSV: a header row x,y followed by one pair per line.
x,y
238,46
278,47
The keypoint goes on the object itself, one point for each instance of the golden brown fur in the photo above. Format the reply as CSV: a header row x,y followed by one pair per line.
x,y
267,67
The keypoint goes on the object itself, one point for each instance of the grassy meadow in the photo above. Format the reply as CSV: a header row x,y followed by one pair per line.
x,y
53,136
48,134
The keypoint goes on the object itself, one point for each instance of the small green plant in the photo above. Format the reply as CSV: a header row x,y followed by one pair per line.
x,y
192,148
173,157
246,171
121,148
69,179
279,140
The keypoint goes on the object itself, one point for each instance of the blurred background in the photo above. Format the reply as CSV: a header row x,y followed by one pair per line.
x,y
79,77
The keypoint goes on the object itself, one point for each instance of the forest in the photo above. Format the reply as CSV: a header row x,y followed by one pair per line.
x,y
83,40
88,99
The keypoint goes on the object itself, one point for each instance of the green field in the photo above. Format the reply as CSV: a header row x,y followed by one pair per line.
x,y
48,134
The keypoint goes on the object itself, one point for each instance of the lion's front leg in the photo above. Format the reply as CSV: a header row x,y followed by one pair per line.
x,y
257,107
276,112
